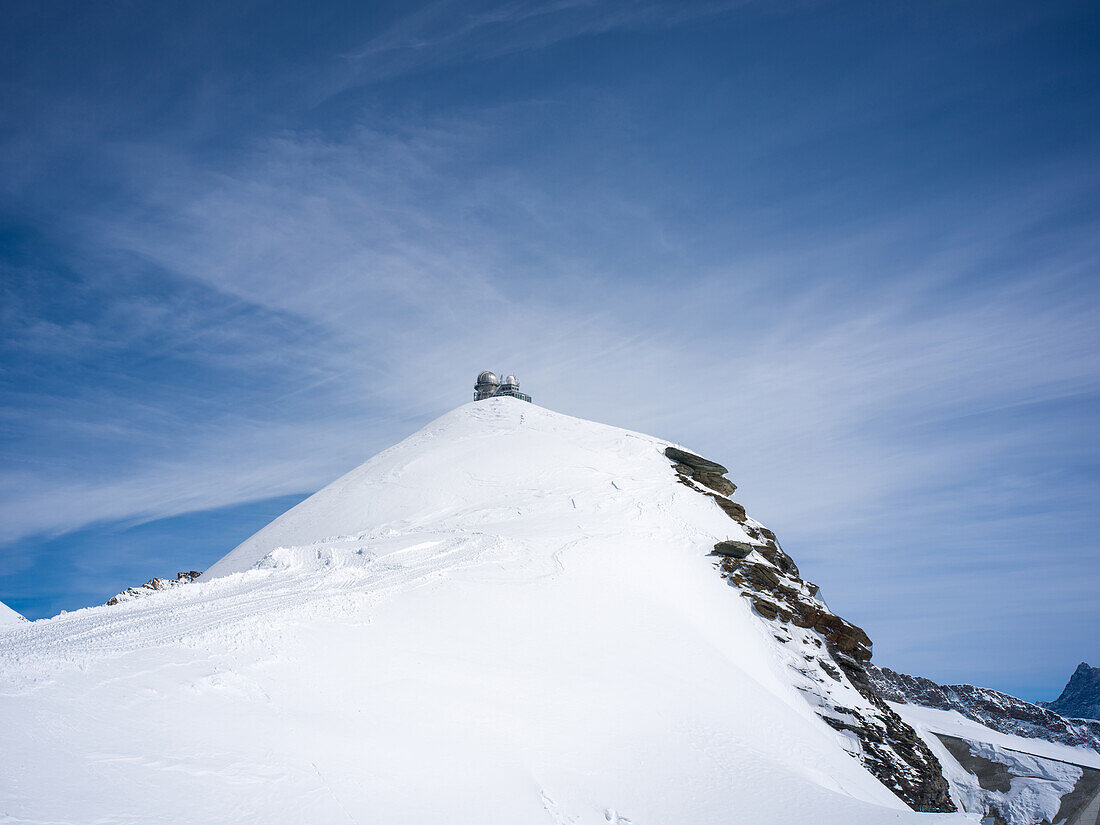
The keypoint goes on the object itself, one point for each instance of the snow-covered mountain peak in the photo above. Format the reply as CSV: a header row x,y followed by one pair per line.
x,y
513,616
499,466
9,616
1081,696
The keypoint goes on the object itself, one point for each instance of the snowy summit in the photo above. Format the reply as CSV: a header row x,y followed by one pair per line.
x,y
513,616
9,616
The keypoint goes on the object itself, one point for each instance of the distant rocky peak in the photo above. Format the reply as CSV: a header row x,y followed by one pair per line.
x,y
1081,697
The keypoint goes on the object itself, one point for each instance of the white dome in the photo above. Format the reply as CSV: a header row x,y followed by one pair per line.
x,y
510,380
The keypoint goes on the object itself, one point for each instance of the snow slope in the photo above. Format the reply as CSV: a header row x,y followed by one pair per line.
x,y
509,617
8,616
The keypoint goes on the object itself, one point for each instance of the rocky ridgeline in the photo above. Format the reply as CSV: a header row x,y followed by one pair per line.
x,y
829,656
995,710
1081,698
152,586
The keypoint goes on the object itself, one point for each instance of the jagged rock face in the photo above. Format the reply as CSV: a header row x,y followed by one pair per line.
x,y
733,549
995,710
828,655
708,473
1081,698
686,474
154,584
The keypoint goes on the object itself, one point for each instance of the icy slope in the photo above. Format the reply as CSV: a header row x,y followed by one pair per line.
x,y
1021,779
9,616
510,617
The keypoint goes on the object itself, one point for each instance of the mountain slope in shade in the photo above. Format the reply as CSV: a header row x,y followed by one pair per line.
x,y
9,616
511,617
1081,697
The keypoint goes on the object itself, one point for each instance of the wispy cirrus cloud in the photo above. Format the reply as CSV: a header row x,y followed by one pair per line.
x,y
326,233
447,32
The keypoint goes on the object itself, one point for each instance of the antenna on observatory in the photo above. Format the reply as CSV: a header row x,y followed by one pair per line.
x,y
490,386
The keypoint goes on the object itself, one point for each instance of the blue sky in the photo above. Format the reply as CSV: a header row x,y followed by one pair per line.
x,y
848,249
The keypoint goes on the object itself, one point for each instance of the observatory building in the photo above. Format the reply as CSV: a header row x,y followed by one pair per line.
x,y
489,386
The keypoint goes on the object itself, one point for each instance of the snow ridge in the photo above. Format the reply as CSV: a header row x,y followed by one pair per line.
x,y
1081,697
991,708
9,617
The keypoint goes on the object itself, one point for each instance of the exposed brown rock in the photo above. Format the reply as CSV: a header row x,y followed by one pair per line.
x,y
697,462
716,482
734,549
707,473
772,552
765,608
731,508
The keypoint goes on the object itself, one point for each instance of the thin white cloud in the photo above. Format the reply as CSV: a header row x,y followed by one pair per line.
x,y
341,235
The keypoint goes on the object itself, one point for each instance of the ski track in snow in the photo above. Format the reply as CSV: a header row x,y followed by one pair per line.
x,y
333,584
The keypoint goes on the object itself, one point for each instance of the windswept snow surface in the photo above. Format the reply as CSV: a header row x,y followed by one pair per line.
x,y
9,617
510,617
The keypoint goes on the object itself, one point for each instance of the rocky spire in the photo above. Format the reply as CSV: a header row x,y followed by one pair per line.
x,y
1081,697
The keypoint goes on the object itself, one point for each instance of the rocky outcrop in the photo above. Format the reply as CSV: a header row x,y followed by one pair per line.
x,y
152,586
733,549
708,473
1081,697
718,488
697,462
828,656
998,711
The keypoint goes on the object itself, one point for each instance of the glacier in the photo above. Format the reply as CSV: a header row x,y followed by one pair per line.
x,y
1023,779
